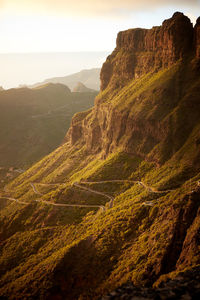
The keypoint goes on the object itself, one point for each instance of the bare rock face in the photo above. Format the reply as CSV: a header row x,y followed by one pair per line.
x,y
197,37
185,286
139,51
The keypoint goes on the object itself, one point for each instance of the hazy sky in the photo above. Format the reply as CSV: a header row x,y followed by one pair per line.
x,y
80,25
29,26
19,69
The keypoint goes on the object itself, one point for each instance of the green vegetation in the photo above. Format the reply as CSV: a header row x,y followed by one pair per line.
x,y
144,234
34,121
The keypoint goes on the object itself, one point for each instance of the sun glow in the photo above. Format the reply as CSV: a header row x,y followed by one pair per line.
x,y
48,25
38,33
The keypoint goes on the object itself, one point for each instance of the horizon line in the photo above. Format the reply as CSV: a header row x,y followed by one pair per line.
x,y
56,52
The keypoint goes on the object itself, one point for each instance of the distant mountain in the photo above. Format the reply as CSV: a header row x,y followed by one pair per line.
x,y
90,78
33,122
81,88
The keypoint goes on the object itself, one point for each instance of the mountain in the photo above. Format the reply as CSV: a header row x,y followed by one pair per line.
x,y
89,77
81,88
118,201
33,122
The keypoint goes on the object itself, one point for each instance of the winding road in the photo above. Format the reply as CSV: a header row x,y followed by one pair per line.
x,y
87,189
149,188
35,190
96,192
70,205
13,199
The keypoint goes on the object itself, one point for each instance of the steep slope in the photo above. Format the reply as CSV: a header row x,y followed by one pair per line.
x,y
197,37
33,122
90,78
119,200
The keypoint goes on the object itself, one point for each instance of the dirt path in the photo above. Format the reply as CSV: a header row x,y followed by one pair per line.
x,y
70,205
149,188
20,171
55,204
67,205
13,199
93,191
87,189
153,190
96,192
50,184
108,181
34,189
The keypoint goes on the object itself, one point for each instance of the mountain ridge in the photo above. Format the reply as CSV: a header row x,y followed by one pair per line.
x,y
89,77
34,121
80,87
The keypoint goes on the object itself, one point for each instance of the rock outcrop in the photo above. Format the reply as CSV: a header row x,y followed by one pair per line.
x,y
185,286
139,51
197,37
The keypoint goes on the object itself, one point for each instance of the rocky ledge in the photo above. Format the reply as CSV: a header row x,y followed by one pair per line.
x,y
197,37
185,287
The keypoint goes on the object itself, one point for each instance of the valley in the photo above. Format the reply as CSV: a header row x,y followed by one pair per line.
x,y
34,121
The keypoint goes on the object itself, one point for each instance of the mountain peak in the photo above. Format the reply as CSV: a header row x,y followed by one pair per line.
x,y
178,14
197,37
53,86
81,88
139,51
198,21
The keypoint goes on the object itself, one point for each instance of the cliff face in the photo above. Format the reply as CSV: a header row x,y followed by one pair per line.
x,y
197,37
139,50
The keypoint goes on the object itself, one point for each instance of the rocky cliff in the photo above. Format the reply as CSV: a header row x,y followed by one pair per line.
x,y
139,51
197,37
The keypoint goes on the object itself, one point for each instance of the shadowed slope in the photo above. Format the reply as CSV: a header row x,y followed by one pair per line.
x,y
34,121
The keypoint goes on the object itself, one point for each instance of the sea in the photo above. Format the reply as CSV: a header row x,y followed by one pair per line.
x,y
20,69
